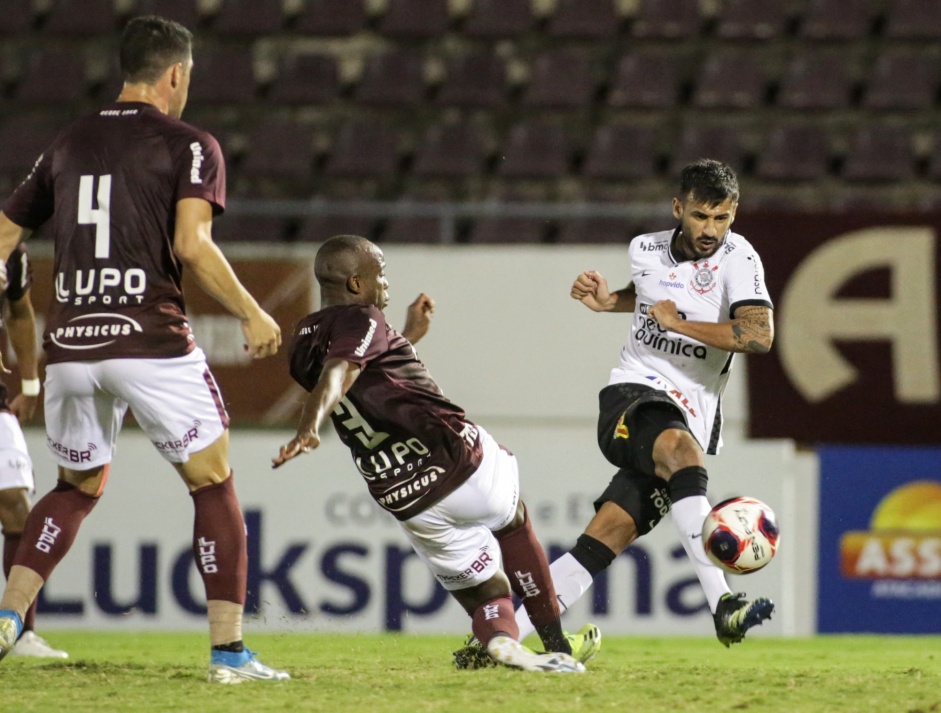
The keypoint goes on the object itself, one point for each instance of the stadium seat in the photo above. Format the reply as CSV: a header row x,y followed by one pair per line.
x,y
453,150
279,149
226,75
413,229
363,149
498,19
247,18
331,18
595,230
535,149
912,20
584,20
473,80
750,20
316,229
80,18
560,79
645,79
934,165
249,229
731,79
696,141
18,18
621,152
816,80
415,19
392,79
508,230
667,20
186,12
880,153
52,76
794,152
836,20
24,136
902,79
305,79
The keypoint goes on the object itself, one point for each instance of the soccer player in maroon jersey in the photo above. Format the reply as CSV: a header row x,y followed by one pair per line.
x,y
16,467
131,192
453,489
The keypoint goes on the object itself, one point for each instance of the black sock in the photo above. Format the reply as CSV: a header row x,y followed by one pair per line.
x,y
553,639
594,555
236,647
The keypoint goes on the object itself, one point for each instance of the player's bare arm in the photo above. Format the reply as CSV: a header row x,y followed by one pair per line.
x,y
11,235
21,326
750,331
193,245
591,289
335,380
418,318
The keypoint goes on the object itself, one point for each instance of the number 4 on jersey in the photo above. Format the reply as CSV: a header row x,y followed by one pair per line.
x,y
100,217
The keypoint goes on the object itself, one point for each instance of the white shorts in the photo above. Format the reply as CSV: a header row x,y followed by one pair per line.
x,y
455,537
176,401
16,467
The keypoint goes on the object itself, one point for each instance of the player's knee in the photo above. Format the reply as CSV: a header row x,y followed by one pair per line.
x,y
675,448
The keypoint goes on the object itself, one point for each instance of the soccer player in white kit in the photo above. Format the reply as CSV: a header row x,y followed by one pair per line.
x,y
698,296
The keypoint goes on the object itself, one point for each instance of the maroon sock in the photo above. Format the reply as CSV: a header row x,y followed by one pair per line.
x,y
494,617
51,528
528,569
11,540
219,543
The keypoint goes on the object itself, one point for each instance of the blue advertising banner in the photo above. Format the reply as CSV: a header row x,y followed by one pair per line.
x,y
880,540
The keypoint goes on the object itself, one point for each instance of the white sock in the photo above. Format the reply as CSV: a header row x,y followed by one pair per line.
x,y
571,581
688,517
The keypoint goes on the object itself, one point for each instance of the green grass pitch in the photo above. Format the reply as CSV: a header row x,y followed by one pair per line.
x,y
130,672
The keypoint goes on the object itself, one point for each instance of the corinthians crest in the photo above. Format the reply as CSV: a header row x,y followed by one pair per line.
x,y
704,279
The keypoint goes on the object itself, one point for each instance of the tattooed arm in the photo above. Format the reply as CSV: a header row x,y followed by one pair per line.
x,y
751,329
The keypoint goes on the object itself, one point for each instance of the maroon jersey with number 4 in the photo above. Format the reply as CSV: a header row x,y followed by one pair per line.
x,y
110,183
411,445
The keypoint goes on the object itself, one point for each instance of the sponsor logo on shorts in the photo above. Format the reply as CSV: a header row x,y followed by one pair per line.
x,y
477,566
93,331
620,431
71,454
181,443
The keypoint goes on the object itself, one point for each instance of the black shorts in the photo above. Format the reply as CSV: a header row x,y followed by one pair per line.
x,y
630,418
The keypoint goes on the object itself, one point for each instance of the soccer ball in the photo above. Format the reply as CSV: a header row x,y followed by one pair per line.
x,y
740,535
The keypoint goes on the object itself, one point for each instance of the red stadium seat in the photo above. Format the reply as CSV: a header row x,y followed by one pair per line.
x,y
422,230
415,19
560,79
535,149
731,79
18,18
53,76
229,228
317,229
247,18
645,80
473,80
749,20
453,150
698,141
498,19
880,153
912,20
596,230
667,20
584,20
508,230
225,75
836,20
621,152
394,78
80,18
363,149
186,12
306,79
332,18
816,80
280,150
902,79
794,152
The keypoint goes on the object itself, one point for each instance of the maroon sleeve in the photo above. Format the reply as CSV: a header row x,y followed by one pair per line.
x,y
358,336
33,201
201,171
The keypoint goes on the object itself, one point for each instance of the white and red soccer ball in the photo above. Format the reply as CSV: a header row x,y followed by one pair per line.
x,y
740,535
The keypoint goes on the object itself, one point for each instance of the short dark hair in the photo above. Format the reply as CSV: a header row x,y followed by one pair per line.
x,y
149,45
708,181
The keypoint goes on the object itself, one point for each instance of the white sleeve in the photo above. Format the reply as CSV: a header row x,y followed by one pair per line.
x,y
745,281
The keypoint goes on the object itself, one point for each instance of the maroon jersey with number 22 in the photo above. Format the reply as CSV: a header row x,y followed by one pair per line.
x,y
411,445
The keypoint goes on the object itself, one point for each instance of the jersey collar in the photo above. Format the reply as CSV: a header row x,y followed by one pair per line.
x,y
676,260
